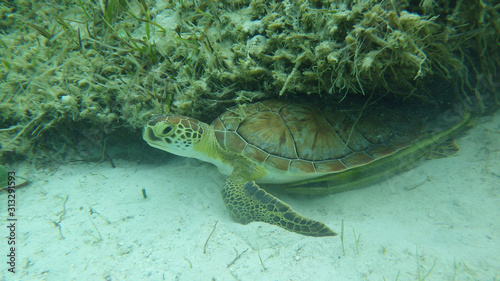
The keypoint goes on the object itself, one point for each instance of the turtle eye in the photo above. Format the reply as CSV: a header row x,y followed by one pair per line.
x,y
167,130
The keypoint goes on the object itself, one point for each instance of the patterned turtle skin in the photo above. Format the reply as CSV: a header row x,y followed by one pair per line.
x,y
306,148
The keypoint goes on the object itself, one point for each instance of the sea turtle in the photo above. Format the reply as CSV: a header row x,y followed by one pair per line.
x,y
284,143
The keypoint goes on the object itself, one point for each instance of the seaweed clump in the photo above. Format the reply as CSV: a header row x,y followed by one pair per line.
x,y
84,71
332,49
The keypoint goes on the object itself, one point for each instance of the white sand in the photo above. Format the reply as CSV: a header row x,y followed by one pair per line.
x,y
450,219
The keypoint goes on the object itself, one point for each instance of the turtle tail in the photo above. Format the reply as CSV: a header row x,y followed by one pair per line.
x,y
247,202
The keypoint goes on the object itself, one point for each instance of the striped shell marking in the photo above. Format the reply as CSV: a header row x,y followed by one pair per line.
x,y
301,139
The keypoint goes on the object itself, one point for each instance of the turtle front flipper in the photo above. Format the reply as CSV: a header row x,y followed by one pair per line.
x,y
247,202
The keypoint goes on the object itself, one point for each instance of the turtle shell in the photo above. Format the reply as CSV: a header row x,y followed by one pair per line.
x,y
297,138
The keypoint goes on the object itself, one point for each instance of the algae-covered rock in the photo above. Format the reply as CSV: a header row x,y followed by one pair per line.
x,y
105,67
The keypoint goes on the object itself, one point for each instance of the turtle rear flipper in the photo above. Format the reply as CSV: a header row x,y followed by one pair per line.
x,y
247,202
447,149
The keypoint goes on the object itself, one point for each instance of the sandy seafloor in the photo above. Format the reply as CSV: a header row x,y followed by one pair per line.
x,y
439,221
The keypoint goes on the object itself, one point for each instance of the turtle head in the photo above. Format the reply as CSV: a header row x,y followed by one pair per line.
x,y
175,134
